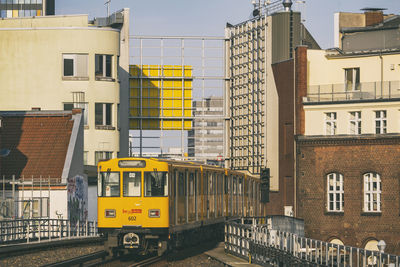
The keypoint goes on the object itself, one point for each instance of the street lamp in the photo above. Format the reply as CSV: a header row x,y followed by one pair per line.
x,y
381,246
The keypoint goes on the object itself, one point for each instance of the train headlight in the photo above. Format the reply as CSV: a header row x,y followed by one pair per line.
x,y
109,213
154,213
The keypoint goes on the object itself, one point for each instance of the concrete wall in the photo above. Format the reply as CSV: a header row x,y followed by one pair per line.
x,y
324,70
31,70
315,117
377,74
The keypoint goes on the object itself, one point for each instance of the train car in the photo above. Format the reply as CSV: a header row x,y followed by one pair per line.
x,y
150,205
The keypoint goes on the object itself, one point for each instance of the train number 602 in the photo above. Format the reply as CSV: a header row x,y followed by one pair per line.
x,y
132,218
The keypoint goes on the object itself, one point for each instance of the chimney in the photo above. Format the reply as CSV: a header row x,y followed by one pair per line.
x,y
373,16
36,109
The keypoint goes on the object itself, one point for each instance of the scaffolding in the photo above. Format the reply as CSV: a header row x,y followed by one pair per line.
x,y
198,68
247,101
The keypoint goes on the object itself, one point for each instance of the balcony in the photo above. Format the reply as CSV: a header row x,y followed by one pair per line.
x,y
344,93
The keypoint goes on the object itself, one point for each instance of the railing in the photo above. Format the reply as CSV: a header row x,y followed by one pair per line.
x,y
348,92
37,230
265,246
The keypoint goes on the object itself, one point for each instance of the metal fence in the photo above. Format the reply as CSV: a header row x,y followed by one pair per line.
x,y
272,247
358,91
37,230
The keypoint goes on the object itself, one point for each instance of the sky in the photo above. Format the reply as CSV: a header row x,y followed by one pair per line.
x,y
209,17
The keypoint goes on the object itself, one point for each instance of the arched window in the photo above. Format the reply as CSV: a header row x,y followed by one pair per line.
x,y
335,192
372,192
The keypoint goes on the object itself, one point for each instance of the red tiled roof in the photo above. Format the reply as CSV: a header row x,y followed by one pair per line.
x,y
38,144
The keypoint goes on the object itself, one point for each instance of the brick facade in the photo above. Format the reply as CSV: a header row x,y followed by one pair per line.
x,y
352,157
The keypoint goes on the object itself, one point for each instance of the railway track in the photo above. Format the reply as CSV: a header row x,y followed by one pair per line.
x,y
99,259
147,262
79,260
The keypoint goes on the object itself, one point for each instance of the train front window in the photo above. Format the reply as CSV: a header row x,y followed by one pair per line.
x,y
108,184
132,184
155,184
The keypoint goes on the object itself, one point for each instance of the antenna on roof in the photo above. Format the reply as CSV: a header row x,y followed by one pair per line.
x,y
108,2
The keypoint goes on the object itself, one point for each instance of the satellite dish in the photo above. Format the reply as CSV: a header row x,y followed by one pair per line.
x,y
4,152
256,12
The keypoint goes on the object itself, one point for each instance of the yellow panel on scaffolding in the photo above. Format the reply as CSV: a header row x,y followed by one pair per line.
x,y
165,94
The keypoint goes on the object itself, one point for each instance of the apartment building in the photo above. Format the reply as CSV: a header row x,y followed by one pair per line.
x,y
26,8
348,145
66,62
205,140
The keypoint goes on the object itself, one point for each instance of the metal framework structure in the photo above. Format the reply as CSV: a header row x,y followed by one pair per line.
x,y
248,94
262,245
205,57
38,230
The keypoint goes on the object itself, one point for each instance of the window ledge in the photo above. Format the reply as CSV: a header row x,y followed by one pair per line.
x,y
371,213
104,127
105,79
338,213
74,78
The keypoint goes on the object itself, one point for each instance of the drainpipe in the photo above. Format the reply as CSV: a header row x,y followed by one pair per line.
x,y
380,56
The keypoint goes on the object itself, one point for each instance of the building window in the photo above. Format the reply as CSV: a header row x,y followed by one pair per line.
x,y
372,192
75,65
83,106
85,157
103,114
355,122
380,122
330,123
335,192
352,79
103,66
102,155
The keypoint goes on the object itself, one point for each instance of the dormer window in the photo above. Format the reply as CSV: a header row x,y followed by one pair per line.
x,y
352,79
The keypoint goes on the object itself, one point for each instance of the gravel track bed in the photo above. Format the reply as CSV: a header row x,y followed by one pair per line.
x,y
50,255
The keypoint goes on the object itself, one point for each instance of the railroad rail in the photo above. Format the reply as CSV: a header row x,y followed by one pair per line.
x,y
262,245
147,262
37,230
80,260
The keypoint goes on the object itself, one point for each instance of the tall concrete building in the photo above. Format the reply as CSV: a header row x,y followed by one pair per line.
x,y
205,140
65,62
26,8
252,99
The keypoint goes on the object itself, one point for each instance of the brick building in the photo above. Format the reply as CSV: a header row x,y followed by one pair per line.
x,y
348,188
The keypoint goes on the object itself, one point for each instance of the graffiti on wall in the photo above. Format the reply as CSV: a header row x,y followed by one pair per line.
x,y
77,198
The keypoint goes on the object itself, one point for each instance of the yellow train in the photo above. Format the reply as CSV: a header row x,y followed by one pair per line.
x,y
154,204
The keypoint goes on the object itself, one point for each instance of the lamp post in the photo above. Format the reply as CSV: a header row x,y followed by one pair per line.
x,y
381,246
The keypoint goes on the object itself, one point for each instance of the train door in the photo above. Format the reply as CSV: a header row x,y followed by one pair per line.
x,y
211,194
181,197
225,195
197,194
220,195
192,196
172,197
205,195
